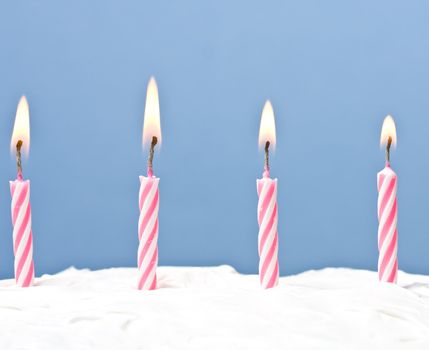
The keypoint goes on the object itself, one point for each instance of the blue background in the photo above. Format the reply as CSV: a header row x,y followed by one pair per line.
x,y
332,70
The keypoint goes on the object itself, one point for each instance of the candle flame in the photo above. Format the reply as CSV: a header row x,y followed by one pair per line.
x,y
21,128
267,129
151,125
388,130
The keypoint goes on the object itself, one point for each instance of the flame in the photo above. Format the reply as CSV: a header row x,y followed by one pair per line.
x,y
388,130
21,128
267,130
151,125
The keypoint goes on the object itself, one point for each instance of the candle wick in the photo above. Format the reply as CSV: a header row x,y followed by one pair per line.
x,y
151,153
18,158
267,157
389,144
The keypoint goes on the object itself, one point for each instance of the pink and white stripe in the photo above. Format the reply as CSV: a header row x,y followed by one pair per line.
x,y
22,234
387,231
147,257
268,236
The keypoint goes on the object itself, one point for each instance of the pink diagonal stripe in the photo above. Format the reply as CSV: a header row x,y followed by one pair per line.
x,y
386,196
18,204
21,229
148,270
265,201
259,187
24,257
389,252
12,187
267,230
148,214
29,277
268,258
387,225
145,192
153,285
394,271
273,279
148,243
380,181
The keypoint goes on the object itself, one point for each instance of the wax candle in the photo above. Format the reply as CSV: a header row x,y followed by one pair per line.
x,y
147,257
267,206
21,207
387,209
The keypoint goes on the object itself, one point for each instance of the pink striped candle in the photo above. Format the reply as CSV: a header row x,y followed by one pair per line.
x,y
22,234
268,235
387,210
147,256
267,206
387,231
21,207
148,232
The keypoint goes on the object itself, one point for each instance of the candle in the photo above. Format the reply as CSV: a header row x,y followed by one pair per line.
x,y
21,208
147,257
267,206
387,209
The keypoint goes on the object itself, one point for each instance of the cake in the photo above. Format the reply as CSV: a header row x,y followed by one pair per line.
x,y
215,308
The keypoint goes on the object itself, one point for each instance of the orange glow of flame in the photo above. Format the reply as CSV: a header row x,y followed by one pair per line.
x,y
388,130
267,130
21,128
152,124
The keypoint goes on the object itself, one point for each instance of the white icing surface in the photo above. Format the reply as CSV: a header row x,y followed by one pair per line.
x,y
215,308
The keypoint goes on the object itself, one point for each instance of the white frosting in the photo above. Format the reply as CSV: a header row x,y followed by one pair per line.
x,y
215,308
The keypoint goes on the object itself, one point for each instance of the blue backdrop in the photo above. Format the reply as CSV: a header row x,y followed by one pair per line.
x,y
332,70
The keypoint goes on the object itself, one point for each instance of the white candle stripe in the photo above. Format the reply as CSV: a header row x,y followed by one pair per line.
x,y
389,236
149,199
23,243
274,259
390,265
389,205
390,201
21,214
268,243
16,194
270,209
265,187
149,253
149,280
25,269
151,224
